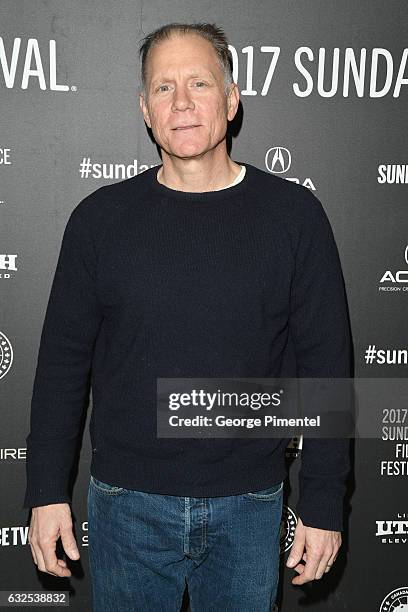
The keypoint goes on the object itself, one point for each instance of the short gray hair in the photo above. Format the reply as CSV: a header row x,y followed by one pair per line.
x,y
214,34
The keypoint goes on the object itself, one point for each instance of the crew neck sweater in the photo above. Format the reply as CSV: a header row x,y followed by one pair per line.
x,y
155,282
237,179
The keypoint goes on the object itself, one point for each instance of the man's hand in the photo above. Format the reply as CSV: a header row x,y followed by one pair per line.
x,y
321,551
48,523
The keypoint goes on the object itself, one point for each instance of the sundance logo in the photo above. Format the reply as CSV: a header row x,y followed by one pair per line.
x,y
353,70
5,157
392,173
29,60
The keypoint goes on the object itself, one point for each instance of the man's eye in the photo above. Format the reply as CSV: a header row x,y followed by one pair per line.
x,y
200,82
160,87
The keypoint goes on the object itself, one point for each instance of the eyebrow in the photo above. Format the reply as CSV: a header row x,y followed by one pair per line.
x,y
192,75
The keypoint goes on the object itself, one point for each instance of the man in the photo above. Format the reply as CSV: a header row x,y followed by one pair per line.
x,y
202,268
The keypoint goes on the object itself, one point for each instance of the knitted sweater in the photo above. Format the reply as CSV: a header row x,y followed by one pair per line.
x,y
154,282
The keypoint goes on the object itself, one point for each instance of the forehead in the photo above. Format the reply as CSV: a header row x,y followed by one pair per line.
x,y
189,54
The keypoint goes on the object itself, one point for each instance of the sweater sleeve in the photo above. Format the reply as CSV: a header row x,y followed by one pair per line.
x,y
322,342
62,377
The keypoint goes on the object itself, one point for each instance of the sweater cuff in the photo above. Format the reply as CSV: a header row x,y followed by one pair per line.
x,y
48,469
322,482
321,511
55,493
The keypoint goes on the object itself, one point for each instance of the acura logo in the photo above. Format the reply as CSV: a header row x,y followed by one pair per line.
x,y
400,276
278,159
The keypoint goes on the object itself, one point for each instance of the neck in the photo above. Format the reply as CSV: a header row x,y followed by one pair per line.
x,y
197,174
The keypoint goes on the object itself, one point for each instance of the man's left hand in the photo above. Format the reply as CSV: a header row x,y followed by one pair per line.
x,y
321,551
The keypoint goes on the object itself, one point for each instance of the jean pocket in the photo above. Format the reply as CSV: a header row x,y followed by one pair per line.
x,y
268,494
106,488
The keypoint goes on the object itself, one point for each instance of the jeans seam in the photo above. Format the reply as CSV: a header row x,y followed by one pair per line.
x,y
203,527
205,523
113,491
266,496
187,525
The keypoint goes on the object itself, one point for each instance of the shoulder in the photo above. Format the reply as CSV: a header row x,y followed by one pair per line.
x,y
100,206
294,202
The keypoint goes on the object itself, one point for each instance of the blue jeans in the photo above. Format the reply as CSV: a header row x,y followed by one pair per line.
x,y
145,547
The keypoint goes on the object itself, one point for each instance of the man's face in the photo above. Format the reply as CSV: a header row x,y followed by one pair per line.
x,y
185,87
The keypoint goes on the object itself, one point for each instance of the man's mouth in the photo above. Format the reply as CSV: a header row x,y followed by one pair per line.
x,y
185,127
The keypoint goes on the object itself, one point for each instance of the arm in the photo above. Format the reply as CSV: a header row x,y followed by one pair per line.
x,y
61,384
320,329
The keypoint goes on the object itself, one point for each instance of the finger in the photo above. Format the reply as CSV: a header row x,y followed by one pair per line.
x,y
331,561
301,565
40,558
322,567
31,540
33,552
333,557
309,570
299,568
297,549
51,561
69,543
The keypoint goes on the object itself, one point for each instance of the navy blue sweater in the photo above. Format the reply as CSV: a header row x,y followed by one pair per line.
x,y
154,282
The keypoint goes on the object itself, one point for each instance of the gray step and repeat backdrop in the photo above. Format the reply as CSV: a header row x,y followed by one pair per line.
x,y
324,92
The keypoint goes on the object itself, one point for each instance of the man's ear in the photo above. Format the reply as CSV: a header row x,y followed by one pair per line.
x,y
232,101
143,107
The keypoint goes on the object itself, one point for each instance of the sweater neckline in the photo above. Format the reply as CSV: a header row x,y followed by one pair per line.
x,y
197,197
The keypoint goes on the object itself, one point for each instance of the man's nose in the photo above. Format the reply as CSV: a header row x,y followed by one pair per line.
x,y
182,98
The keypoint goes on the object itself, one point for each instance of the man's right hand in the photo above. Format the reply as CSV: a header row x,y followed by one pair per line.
x,y
48,523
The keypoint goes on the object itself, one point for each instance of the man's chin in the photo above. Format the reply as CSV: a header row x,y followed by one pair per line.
x,y
188,153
